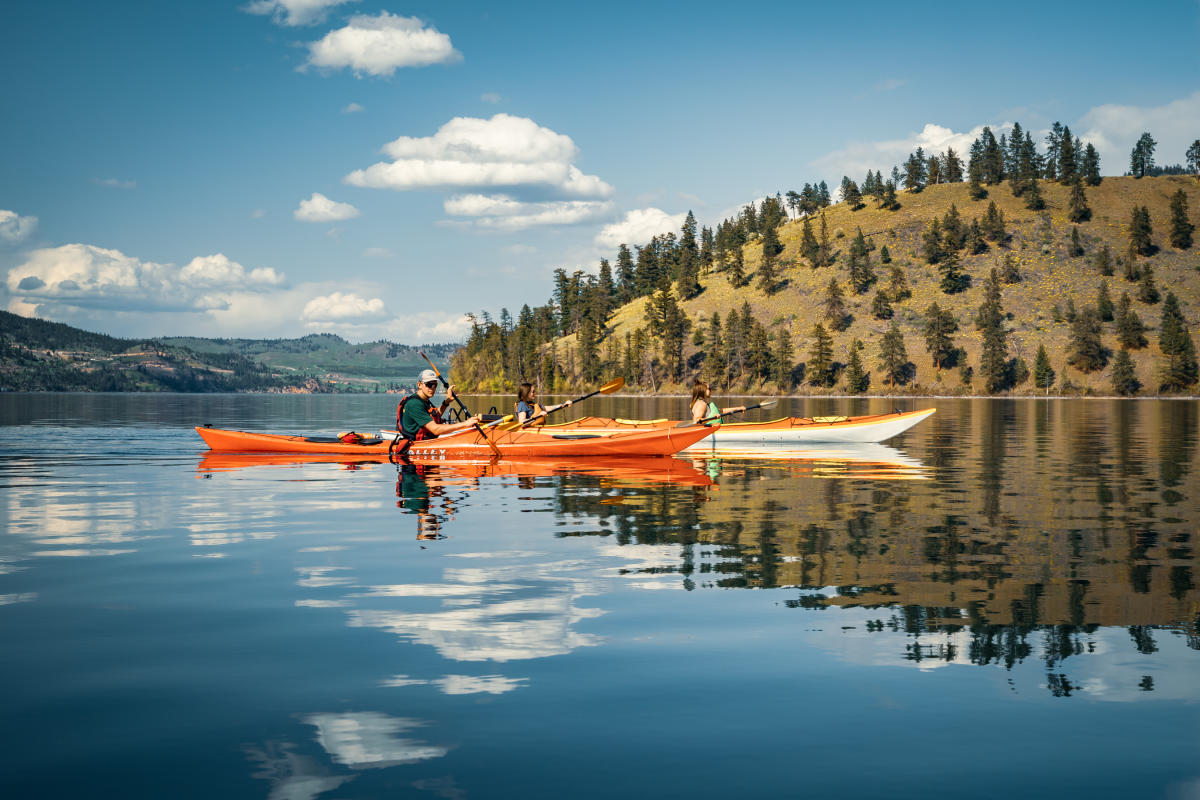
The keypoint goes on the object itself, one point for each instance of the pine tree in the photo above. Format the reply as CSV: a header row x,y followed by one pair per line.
x,y
893,357
808,243
934,171
940,327
1193,157
1141,159
1130,330
1008,269
975,243
1104,304
1043,373
783,360
1033,196
1077,209
824,251
737,268
1147,290
1075,250
857,379
1140,231
768,277
888,199
954,280
626,281
1181,227
881,306
819,368
1124,380
858,260
1180,369
898,285
915,171
1067,167
993,359
835,305
713,344
1053,147
993,224
1103,261
952,166
1091,165
954,235
1087,353
931,242
851,194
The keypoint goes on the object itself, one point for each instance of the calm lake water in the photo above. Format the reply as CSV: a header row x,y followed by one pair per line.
x,y
1002,602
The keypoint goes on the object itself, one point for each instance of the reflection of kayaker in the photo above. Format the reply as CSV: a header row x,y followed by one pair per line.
x,y
413,492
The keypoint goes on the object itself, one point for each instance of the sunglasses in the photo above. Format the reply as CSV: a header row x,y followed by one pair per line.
x,y
430,384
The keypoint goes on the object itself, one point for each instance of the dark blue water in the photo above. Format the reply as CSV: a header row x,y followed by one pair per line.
x,y
1001,602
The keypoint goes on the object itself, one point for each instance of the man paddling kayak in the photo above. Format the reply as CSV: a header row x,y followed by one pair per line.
x,y
417,419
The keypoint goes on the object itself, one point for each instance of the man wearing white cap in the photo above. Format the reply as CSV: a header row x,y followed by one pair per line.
x,y
418,419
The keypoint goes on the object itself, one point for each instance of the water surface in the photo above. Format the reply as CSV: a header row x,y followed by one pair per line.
x,y
1001,602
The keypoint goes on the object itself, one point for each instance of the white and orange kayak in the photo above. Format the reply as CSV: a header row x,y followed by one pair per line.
x,y
866,429
471,444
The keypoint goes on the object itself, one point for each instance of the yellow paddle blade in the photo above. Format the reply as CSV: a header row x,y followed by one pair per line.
x,y
612,386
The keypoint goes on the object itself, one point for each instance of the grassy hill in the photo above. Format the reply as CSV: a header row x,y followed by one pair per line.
x,y
1039,240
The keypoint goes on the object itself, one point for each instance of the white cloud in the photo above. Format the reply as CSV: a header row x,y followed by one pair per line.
x,y
1114,129
490,97
428,326
380,45
857,157
353,108
85,276
470,152
638,227
258,213
114,183
294,12
370,740
15,228
338,307
505,213
378,252
470,684
320,208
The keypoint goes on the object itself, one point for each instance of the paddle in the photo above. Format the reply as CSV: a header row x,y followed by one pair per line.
x,y
763,404
436,371
608,388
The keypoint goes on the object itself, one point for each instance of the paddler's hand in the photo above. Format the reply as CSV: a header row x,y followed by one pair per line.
x,y
450,393
473,421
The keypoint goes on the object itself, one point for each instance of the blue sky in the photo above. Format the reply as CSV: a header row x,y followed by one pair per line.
x,y
377,169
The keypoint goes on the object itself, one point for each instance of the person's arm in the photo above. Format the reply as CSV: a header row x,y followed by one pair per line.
x,y
546,411
442,428
698,410
732,409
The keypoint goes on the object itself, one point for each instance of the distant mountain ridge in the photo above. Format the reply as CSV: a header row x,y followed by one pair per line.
x,y
39,355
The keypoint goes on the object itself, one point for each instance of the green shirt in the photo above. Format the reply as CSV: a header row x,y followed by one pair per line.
x,y
416,415
712,411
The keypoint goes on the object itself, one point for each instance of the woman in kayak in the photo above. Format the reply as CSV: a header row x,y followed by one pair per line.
x,y
528,408
702,405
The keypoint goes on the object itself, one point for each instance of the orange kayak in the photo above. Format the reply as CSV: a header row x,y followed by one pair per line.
x,y
470,444
786,431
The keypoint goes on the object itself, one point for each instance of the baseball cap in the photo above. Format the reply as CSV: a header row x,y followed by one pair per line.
x,y
426,376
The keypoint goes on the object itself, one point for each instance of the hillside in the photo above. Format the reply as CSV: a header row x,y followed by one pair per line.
x,y
1039,243
37,355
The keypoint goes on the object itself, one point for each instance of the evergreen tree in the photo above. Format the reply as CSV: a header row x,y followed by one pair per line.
x,y
1180,369
993,224
888,199
737,268
915,171
1087,353
808,243
1130,330
1067,167
933,171
851,194
1077,209
706,250
952,166
1104,303
857,379
993,157
1091,165
1103,261
1075,250
974,243
1181,227
954,280
768,276
1033,196
940,327
1140,231
783,360
858,260
898,285
881,306
1193,157
626,281
931,242
954,234
884,256
1147,290
714,345
824,250
1053,147
993,359
1008,269
1043,373
835,305
1124,380
893,357
1141,159
820,357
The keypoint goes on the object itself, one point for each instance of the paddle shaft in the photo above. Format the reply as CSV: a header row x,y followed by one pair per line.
x,y
461,405
763,404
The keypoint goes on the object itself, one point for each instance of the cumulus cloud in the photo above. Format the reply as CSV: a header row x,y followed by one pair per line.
x,y
428,326
352,108
15,228
505,213
638,227
339,307
85,276
1114,129
320,208
380,45
470,152
378,252
858,157
294,12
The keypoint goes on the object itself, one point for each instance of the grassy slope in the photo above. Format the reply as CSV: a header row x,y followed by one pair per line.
x,y
1047,278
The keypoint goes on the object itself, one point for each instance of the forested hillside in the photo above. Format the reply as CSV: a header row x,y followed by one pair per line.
x,y
36,355
1017,271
